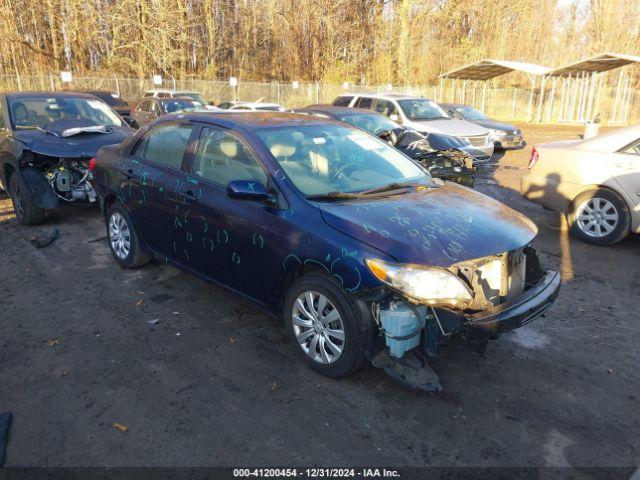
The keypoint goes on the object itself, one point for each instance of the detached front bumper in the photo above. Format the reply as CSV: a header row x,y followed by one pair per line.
x,y
511,315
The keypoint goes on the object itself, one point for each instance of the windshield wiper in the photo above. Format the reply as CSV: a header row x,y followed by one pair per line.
x,y
389,188
335,196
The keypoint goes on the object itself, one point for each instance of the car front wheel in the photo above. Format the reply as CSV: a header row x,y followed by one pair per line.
x,y
599,217
326,326
123,239
27,212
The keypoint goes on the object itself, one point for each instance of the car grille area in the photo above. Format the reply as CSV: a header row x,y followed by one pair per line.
x,y
478,140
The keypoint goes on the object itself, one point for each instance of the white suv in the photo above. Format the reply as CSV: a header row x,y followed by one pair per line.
x,y
425,116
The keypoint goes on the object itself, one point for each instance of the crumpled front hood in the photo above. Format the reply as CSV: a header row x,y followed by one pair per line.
x,y
438,227
452,127
84,145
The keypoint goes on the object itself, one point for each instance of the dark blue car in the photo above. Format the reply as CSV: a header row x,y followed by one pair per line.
x,y
367,257
47,140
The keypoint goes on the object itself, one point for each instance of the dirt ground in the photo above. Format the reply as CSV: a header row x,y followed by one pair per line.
x,y
215,381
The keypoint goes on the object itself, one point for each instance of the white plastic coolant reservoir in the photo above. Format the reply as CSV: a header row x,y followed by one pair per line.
x,y
402,324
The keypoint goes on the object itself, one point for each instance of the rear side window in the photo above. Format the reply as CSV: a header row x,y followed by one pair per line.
x,y
364,102
165,144
343,101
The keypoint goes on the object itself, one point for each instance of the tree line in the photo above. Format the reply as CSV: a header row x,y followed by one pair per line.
x,y
369,41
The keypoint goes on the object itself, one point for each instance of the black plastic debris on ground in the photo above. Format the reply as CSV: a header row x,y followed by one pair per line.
x,y
44,240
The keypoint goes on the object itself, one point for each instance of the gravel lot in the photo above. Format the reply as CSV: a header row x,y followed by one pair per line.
x,y
215,381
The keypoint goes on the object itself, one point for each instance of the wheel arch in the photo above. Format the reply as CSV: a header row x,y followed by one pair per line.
x,y
588,188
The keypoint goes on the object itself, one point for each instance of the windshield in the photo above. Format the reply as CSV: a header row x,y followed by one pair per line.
x,y
175,105
323,159
195,96
422,109
370,122
36,112
469,113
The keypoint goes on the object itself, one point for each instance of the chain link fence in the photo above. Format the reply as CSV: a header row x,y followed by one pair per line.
x,y
507,103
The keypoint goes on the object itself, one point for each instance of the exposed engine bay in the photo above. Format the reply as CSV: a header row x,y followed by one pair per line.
x,y
69,178
439,154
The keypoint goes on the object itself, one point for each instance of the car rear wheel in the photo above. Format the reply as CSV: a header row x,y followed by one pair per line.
x,y
599,217
123,239
326,326
27,212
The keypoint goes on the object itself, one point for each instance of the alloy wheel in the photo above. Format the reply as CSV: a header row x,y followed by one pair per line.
x,y
597,217
318,327
119,236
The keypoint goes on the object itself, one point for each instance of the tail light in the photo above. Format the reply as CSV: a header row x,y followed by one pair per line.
x,y
92,164
534,158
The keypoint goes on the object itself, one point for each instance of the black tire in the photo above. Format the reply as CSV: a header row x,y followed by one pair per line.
x,y
27,212
135,256
359,332
599,234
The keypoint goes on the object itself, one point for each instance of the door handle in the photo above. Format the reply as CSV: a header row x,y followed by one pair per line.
x,y
128,174
187,196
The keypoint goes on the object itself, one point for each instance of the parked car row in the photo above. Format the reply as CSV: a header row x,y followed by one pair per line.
x,y
321,217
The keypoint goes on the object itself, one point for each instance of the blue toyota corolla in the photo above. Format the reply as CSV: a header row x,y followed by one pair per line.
x,y
366,256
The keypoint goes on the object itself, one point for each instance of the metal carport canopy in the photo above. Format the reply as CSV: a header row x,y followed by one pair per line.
x,y
597,63
487,69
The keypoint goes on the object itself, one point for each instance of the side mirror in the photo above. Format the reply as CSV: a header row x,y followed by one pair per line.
x,y
130,121
248,190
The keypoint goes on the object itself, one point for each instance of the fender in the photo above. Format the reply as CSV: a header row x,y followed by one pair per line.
x,y
39,189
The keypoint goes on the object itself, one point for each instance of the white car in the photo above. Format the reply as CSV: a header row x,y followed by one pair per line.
x,y
169,93
425,116
255,106
595,182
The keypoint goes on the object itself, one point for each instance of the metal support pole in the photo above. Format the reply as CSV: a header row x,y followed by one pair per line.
x,y
617,97
484,94
543,80
53,85
591,97
464,92
117,85
562,93
551,100
530,108
317,92
278,92
441,89
513,104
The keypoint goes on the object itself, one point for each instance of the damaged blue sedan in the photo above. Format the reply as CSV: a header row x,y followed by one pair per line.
x,y
367,257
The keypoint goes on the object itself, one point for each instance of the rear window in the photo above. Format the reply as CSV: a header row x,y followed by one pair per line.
x,y
343,101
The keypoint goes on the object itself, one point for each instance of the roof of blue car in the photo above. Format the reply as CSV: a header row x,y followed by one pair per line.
x,y
336,110
41,94
256,120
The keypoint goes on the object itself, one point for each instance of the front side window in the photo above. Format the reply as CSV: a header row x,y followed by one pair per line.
x,y
165,144
386,108
422,109
221,157
35,112
323,159
364,102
